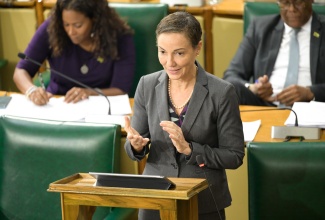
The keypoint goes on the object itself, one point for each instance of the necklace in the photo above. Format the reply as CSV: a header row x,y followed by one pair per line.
x,y
171,100
84,69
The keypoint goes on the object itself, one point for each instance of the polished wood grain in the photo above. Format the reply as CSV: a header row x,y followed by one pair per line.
x,y
78,194
232,8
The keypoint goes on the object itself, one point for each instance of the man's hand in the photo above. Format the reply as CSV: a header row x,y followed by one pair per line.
x,y
294,93
262,88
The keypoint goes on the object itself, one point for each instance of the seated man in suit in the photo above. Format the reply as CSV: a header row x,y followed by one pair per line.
x,y
265,57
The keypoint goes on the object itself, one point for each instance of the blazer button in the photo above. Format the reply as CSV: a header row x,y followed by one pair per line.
x,y
174,165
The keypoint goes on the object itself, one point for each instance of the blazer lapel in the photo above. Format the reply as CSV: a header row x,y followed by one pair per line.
x,y
163,112
314,46
199,94
274,49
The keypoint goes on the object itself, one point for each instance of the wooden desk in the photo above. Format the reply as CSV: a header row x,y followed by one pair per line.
x,y
231,8
268,119
78,196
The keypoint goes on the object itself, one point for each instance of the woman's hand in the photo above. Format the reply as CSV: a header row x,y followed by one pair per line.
x,y
136,140
76,94
39,96
177,137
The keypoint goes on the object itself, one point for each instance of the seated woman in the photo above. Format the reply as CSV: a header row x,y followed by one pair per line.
x,y
85,40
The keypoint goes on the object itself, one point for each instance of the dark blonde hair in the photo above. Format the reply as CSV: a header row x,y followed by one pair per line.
x,y
181,22
107,26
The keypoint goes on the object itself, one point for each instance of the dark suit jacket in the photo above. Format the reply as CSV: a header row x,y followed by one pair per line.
x,y
212,125
258,51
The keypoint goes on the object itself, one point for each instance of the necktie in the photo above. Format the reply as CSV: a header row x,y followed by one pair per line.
x,y
293,66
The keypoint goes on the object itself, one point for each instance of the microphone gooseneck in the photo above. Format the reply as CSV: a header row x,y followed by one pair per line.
x,y
275,109
25,57
201,164
287,132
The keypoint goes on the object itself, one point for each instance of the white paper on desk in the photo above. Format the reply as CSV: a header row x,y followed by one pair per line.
x,y
309,114
120,104
106,119
57,109
120,107
250,129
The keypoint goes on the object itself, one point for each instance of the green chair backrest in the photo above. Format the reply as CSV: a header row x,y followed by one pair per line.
x,y
143,19
35,154
3,62
254,9
286,180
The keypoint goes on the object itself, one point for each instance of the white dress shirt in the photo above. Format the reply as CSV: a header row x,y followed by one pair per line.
x,y
279,73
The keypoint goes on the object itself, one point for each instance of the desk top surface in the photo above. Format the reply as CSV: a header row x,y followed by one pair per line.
x,y
268,119
224,7
84,183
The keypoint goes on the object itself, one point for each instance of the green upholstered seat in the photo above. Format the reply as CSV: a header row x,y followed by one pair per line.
x,y
286,181
46,79
3,62
253,9
34,154
143,19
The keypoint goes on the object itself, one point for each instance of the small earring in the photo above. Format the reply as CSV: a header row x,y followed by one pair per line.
x,y
92,35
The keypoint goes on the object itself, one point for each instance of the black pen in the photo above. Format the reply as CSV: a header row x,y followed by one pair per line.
x,y
41,80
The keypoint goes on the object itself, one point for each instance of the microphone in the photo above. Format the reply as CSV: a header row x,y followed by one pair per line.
x,y
286,132
201,164
25,57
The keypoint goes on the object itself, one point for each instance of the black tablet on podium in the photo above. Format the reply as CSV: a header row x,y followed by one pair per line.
x,y
132,181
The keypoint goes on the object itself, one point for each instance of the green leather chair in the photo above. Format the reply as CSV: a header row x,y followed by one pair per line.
x,y
254,9
35,154
286,181
143,19
3,62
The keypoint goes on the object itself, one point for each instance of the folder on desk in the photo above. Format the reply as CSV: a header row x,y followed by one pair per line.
x,y
132,181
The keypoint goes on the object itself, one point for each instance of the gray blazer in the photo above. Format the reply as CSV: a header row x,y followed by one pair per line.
x,y
212,125
259,49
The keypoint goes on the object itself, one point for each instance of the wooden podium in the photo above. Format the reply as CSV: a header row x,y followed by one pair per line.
x,y
79,197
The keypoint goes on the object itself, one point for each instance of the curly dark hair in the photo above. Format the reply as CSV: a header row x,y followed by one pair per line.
x,y
107,26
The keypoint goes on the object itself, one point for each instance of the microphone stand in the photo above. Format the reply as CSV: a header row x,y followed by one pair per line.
x,y
287,132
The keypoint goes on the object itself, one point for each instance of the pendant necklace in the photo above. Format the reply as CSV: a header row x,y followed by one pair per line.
x,y
84,69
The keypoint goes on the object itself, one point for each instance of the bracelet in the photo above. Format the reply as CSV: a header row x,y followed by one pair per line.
x,y
29,91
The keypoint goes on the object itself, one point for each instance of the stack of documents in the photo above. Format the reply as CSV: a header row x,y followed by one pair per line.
x,y
95,108
309,114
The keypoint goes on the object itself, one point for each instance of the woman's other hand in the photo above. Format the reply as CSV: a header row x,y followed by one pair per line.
x,y
136,140
76,94
177,137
